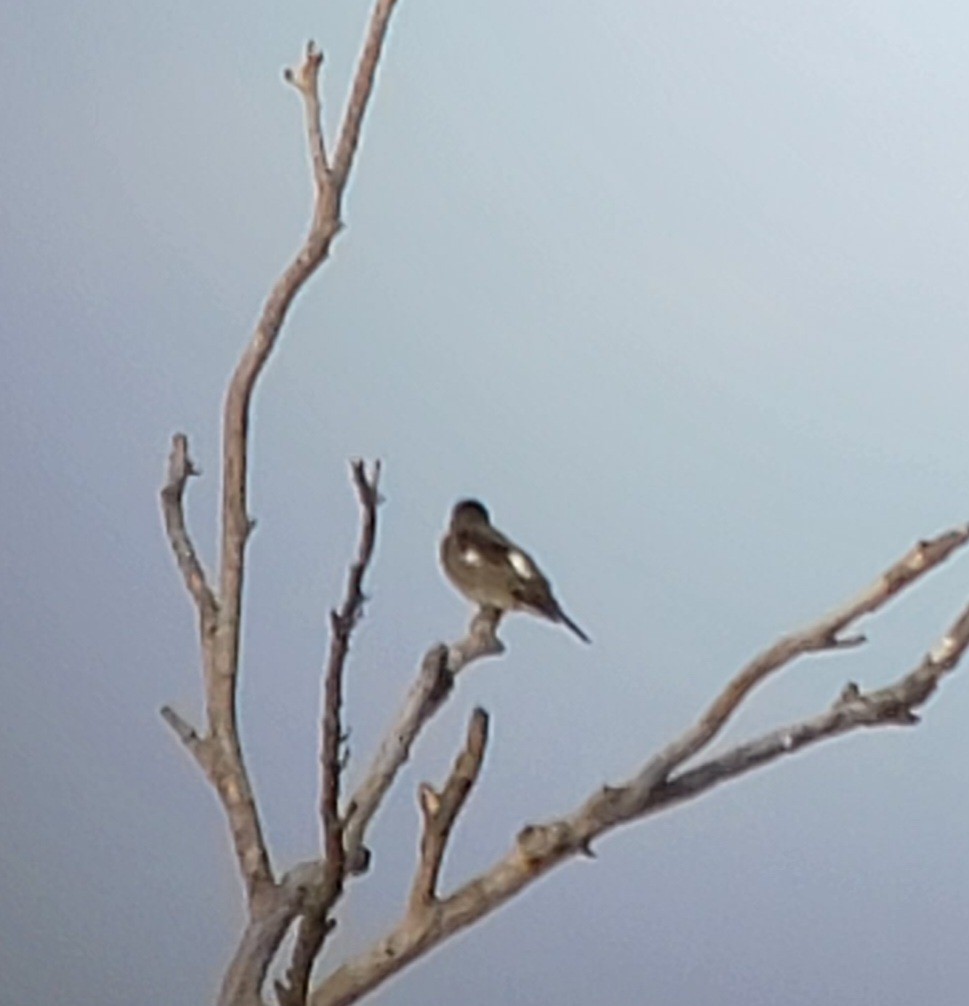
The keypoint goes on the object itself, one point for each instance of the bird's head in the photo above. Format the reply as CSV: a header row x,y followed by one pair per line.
x,y
469,512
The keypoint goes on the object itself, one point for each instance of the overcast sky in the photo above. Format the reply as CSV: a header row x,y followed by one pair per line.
x,y
679,290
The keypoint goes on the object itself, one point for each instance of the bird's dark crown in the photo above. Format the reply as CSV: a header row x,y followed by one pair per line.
x,y
470,511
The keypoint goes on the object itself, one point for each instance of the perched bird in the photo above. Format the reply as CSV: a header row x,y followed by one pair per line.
x,y
493,571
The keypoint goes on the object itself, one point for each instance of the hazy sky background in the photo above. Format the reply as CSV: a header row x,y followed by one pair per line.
x,y
680,290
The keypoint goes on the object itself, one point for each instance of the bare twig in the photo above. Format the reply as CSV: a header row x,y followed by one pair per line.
x,y
315,924
217,752
180,470
306,80
186,733
361,90
440,810
540,848
342,624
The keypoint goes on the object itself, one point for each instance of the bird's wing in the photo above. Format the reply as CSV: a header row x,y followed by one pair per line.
x,y
491,546
536,594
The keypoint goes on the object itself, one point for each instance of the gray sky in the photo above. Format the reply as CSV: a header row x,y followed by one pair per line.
x,y
678,289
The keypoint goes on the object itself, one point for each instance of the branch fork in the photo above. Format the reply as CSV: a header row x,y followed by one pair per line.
x,y
309,892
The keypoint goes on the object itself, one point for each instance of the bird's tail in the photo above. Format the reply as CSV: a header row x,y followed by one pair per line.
x,y
565,620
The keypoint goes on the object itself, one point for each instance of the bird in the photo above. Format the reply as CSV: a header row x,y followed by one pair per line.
x,y
492,571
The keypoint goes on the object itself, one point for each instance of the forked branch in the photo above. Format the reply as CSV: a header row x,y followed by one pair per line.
x,y
440,666
309,892
539,848
824,634
218,750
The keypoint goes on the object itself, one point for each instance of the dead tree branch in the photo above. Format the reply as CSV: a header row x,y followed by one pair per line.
x,y
218,751
180,470
235,520
440,811
440,666
323,886
825,634
342,624
316,923
361,90
540,848
320,886
306,79
309,893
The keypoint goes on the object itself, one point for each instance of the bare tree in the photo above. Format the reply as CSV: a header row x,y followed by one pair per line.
x,y
306,896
